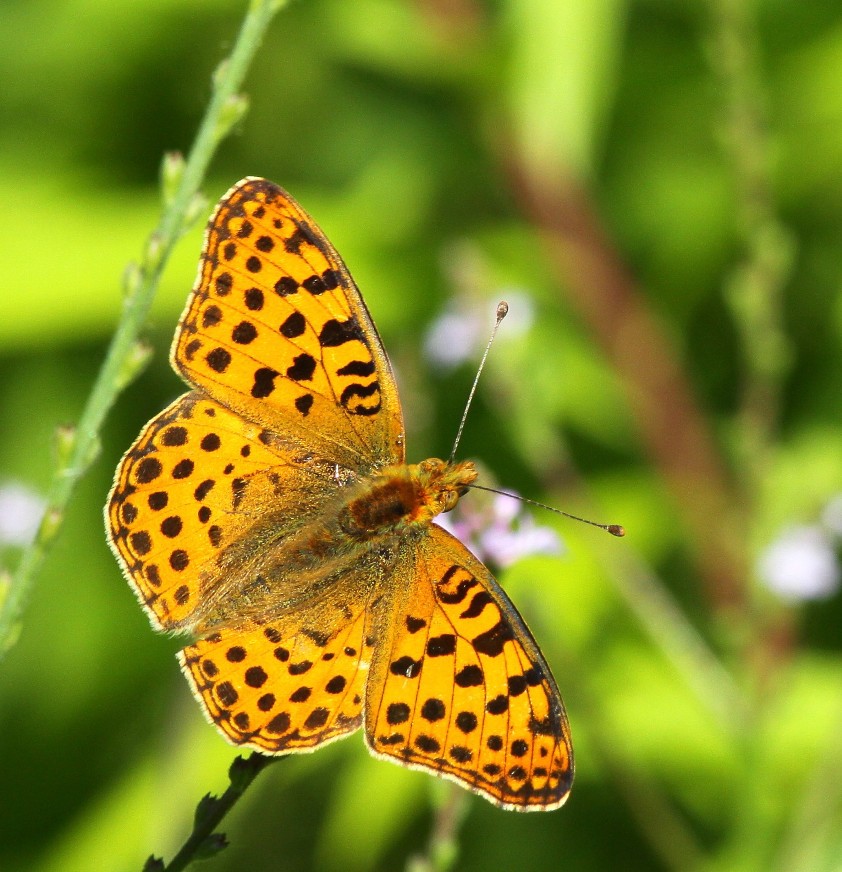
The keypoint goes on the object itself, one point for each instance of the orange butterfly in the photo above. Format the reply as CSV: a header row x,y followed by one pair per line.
x,y
270,513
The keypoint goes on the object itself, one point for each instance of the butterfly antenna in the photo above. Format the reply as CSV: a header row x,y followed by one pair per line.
x,y
613,529
502,311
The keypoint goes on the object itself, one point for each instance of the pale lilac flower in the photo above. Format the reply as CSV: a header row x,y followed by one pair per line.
x,y
459,334
20,514
453,337
499,532
801,564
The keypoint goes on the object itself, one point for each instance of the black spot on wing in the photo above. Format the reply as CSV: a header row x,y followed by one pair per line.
x,y
357,367
223,283
469,676
331,279
303,235
264,382
244,333
294,326
218,359
303,367
415,624
315,285
398,713
285,286
480,600
360,392
492,641
304,403
456,596
254,299
335,333
405,666
441,646
211,317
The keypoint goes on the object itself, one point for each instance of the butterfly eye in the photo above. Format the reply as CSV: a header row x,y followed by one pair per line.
x,y
449,500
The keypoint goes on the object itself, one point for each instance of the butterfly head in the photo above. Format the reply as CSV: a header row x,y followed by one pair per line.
x,y
441,484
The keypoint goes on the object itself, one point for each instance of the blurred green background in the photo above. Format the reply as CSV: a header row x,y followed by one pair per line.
x,y
656,187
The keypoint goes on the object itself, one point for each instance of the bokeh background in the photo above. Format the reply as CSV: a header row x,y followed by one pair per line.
x,y
656,188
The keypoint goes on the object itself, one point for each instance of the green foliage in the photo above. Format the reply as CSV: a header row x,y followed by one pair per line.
x,y
659,183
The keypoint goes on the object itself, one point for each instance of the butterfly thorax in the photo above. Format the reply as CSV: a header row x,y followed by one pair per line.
x,y
405,496
274,570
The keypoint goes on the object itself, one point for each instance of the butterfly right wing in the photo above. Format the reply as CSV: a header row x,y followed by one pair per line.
x,y
459,687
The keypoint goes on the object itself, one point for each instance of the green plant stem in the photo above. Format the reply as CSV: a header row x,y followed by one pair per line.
x,y
78,449
203,842
669,835
755,285
814,824
443,847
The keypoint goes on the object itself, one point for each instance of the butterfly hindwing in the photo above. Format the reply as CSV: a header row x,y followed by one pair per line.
x,y
274,689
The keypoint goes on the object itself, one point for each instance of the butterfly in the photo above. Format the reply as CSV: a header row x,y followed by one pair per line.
x,y
270,514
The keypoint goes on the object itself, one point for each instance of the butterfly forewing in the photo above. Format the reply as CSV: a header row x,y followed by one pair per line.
x,y
461,688
277,331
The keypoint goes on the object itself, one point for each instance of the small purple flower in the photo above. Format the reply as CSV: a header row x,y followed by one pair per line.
x,y
801,564
20,514
453,338
499,531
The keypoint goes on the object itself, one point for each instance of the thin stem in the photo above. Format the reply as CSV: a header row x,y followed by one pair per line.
x,y
814,824
755,284
125,356
443,847
667,832
203,842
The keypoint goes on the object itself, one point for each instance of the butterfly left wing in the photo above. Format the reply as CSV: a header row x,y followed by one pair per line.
x,y
195,502
277,331
458,685
288,683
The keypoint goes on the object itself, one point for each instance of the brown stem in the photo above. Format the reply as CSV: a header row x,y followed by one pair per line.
x,y
660,397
